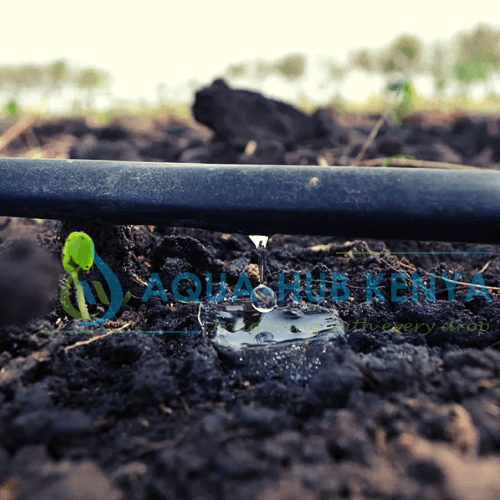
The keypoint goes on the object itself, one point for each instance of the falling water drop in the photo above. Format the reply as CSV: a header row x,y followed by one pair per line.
x,y
263,298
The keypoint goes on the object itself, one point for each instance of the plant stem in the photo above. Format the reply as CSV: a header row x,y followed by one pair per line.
x,y
80,297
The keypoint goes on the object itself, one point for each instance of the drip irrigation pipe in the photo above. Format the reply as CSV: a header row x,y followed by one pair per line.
x,y
393,203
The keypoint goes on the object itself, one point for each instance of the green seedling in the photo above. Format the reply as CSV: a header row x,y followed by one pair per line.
x,y
406,102
78,254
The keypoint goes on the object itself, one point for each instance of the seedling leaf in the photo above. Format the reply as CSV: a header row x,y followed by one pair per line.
x,y
396,87
78,252
406,101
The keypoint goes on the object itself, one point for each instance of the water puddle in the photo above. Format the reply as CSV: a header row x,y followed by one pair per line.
x,y
257,322
239,327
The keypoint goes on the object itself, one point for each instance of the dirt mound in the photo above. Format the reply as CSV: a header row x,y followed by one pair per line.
x,y
239,116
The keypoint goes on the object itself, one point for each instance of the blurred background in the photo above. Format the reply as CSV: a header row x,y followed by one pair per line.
x,y
107,58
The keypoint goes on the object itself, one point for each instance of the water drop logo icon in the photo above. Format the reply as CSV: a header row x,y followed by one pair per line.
x,y
115,289
79,253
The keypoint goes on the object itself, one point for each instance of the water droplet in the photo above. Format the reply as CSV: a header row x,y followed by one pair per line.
x,y
264,337
263,299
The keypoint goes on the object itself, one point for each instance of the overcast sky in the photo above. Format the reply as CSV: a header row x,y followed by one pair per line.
x,y
146,42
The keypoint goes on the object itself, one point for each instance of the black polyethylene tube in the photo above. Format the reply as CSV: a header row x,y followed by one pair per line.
x,y
400,203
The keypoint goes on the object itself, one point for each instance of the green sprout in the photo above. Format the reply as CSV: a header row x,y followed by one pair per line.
x,y
407,100
78,254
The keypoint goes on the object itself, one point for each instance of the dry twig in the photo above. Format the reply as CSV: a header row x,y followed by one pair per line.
x,y
406,162
16,130
93,339
371,137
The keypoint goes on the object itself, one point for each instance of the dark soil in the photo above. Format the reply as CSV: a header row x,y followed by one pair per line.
x,y
391,411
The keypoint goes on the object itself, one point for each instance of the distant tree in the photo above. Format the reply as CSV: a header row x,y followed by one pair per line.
x,y
406,52
386,64
292,66
480,48
335,73
363,59
28,77
236,71
15,80
468,72
387,67
403,58
477,45
58,74
262,69
89,80
257,70
438,68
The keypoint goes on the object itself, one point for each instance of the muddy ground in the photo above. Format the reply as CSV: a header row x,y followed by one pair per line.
x,y
389,411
